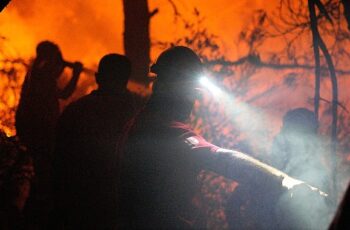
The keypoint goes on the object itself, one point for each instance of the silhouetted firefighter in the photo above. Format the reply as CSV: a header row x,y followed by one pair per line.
x,y
298,151
36,118
85,158
162,156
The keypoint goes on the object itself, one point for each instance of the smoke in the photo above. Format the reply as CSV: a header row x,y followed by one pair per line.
x,y
302,208
304,154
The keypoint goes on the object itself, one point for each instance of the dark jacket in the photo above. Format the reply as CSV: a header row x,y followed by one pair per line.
x,y
160,164
85,160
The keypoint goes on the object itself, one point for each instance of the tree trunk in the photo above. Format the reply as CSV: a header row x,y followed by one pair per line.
x,y
315,43
317,40
137,38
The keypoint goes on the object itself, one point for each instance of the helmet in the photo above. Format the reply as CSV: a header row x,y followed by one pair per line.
x,y
176,64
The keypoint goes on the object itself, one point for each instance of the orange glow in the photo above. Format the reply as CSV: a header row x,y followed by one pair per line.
x,y
87,30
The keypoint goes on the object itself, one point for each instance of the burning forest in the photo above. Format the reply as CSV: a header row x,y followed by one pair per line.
x,y
95,100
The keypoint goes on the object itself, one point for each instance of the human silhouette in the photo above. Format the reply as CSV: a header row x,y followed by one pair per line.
x,y
297,150
38,108
85,158
162,156
36,118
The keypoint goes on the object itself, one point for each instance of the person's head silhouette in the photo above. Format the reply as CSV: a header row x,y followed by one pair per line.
x,y
177,64
48,50
48,60
178,70
113,72
300,120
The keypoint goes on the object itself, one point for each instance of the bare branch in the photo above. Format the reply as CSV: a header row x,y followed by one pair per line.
x,y
175,10
153,12
323,10
262,64
315,44
339,104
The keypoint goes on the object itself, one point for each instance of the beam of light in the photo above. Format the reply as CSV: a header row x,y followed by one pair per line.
x,y
249,120
253,122
234,108
213,89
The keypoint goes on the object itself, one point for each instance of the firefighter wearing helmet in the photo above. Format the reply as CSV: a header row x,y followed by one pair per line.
x,y
162,156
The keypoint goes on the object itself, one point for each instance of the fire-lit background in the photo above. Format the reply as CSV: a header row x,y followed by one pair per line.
x,y
220,30
86,30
